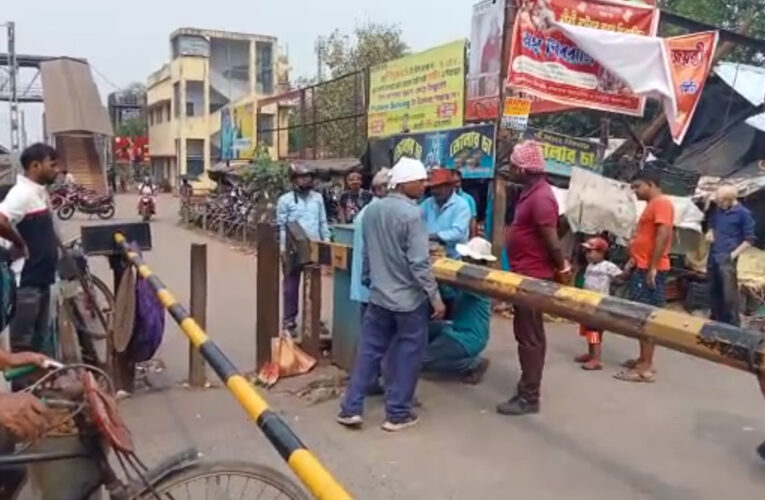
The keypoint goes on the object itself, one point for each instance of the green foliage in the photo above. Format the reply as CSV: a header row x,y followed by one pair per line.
x,y
134,127
346,56
266,179
727,14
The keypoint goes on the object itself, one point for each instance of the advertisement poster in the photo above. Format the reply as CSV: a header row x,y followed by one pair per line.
x,y
236,133
562,153
690,60
131,149
545,63
469,149
483,85
418,93
515,115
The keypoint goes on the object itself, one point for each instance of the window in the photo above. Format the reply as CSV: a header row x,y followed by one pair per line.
x,y
264,54
151,117
189,109
167,112
191,45
177,98
158,112
265,129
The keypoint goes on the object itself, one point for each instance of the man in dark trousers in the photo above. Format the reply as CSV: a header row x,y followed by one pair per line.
x,y
26,221
534,250
402,290
731,232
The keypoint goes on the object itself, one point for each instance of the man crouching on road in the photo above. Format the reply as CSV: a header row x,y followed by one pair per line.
x,y
455,346
402,288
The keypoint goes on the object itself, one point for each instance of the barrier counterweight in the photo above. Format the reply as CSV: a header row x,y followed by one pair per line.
x,y
303,463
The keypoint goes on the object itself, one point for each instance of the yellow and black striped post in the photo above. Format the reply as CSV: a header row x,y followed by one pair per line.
x,y
700,337
303,463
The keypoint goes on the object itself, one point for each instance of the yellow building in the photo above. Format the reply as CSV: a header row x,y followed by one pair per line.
x,y
202,104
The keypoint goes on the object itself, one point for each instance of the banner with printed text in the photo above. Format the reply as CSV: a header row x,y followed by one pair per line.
x,y
690,60
469,149
563,153
545,63
418,93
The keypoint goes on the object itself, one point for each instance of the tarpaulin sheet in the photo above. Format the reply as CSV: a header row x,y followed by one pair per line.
x,y
71,99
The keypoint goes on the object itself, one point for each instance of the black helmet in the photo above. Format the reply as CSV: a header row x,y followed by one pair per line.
x,y
298,169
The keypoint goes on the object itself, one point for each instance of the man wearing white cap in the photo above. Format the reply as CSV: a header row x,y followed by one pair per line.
x,y
402,290
455,346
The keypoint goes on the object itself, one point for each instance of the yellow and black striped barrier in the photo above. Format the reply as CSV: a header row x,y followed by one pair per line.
x,y
303,463
700,337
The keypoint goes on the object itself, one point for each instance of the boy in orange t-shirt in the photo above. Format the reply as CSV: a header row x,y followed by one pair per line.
x,y
649,261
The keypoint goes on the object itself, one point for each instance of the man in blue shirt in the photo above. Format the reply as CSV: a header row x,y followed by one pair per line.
x,y
455,346
306,207
447,214
731,232
470,201
360,293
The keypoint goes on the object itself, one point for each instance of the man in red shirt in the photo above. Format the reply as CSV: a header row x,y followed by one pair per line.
x,y
649,259
534,250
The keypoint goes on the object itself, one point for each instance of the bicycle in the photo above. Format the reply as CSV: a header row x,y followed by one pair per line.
x,y
83,398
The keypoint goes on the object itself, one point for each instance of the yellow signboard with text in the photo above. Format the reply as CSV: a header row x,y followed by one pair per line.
x,y
418,93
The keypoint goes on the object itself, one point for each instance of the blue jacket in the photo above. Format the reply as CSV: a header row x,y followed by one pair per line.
x,y
307,210
451,222
359,293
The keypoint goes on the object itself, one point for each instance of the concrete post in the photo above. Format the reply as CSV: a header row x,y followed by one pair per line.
x,y
197,376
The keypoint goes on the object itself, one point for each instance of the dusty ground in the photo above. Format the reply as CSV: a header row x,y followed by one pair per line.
x,y
689,436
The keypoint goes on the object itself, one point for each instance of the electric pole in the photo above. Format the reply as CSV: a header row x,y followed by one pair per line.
x,y
13,70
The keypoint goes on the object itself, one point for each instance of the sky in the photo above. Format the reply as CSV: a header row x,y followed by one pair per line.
x,y
126,41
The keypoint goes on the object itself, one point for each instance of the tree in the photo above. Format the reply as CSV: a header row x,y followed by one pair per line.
x,y
131,123
726,14
336,103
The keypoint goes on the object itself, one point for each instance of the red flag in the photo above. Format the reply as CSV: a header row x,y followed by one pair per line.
x,y
690,59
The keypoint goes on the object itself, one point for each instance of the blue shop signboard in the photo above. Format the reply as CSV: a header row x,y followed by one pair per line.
x,y
470,149
562,152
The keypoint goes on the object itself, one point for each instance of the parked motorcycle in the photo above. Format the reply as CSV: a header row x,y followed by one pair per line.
x,y
100,205
146,207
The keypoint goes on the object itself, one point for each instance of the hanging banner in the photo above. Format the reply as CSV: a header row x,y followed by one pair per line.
x,y
690,60
546,63
469,149
236,133
563,153
418,93
515,115
483,85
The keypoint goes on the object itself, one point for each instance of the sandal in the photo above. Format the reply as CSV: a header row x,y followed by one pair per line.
x,y
582,358
633,376
592,366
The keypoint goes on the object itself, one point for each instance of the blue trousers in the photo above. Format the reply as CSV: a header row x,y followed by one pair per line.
x,y
445,355
403,336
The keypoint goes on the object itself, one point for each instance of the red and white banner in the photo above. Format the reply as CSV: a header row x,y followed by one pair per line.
x,y
690,60
672,70
544,62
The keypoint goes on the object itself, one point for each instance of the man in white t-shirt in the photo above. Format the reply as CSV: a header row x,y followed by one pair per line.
x,y
26,220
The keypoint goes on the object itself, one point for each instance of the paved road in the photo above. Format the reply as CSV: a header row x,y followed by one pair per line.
x,y
691,435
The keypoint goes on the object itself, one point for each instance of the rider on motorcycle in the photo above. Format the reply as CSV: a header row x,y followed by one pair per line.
x,y
146,189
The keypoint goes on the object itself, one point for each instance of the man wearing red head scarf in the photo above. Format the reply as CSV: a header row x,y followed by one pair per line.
x,y
534,250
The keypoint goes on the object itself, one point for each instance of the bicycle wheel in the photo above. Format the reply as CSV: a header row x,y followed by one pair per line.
x,y
226,479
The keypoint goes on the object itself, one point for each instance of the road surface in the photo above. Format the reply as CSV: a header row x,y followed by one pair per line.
x,y
691,435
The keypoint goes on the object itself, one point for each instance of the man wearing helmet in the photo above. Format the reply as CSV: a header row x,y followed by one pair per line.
x,y
306,207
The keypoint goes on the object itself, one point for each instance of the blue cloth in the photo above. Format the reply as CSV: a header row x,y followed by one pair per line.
x,y
445,355
639,291
450,222
359,292
470,201
307,210
400,337
731,228
470,321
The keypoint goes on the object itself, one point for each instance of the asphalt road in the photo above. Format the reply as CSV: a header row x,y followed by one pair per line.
x,y
691,435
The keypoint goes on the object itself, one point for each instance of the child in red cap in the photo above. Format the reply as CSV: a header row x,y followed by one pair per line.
x,y
597,278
